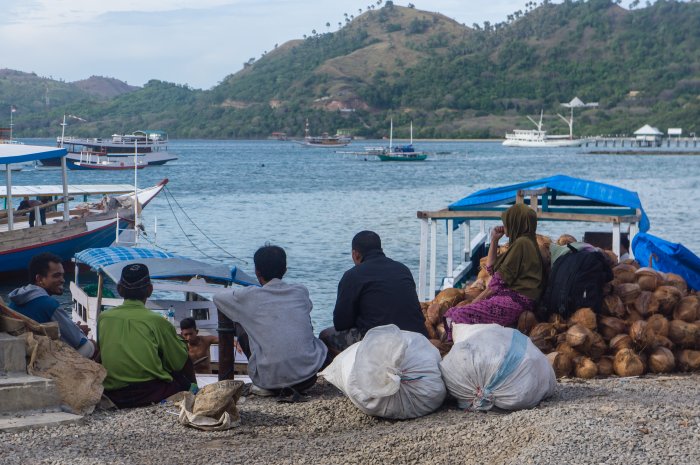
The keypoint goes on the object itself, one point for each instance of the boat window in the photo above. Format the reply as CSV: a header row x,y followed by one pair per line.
x,y
200,313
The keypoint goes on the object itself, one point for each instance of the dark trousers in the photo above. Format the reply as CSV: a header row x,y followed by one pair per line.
x,y
32,217
149,392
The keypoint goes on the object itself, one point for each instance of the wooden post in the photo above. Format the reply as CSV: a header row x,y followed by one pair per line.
x,y
100,284
433,258
467,241
423,259
616,239
450,253
8,199
227,353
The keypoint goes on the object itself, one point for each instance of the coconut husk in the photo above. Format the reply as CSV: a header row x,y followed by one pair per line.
x,y
632,316
609,327
611,256
688,309
543,336
661,360
472,293
598,347
526,322
441,332
430,328
613,306
644,304
625,273
628,363
677,281
621,341
627,292
642,334
561,338
442,347
649,279
580,338
558,321
607,288
566,349
605,366
561,363
585,317
683,334
688,360
631,261
448,298
662,341
433,314
543,243
585,368
667,297
658,324
483,275
566,239
424,306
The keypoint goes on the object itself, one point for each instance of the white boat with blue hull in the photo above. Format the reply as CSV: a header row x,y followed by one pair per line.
x,y
77,226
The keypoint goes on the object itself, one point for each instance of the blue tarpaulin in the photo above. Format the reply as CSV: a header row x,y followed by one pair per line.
x,y
596,191
668,257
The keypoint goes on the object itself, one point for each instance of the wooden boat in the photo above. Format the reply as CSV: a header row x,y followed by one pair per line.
x,y
324,140
172,276
67,231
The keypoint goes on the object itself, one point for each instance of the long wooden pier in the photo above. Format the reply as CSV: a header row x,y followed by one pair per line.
x,y
624,141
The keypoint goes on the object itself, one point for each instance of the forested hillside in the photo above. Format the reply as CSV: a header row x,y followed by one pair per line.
x,y
452,80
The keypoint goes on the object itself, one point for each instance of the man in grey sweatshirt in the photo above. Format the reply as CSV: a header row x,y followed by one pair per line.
x,y
274,326
34,301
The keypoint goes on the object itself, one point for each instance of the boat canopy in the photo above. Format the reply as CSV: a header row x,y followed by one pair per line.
x,y
565,194
73,190
161,265
668,257
20,153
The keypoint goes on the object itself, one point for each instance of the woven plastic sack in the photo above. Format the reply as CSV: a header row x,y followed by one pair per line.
x,y
390,373
492,366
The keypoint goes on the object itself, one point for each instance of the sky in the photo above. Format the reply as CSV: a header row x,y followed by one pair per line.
x,y
192,42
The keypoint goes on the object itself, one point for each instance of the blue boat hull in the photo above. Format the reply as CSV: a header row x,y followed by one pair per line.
x,y
16,261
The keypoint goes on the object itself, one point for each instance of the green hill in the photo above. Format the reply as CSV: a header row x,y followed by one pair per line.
x,y
451,80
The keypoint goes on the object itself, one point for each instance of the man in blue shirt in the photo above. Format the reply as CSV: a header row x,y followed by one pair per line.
x,y
34,300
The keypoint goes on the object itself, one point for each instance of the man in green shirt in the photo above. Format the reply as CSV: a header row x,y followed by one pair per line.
x,y
145,359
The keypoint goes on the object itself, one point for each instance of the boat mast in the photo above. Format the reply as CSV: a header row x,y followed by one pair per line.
x,y
136,197
64,174
411,132
391,133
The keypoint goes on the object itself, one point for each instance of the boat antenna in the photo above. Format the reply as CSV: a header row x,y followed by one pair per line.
x,y
411,132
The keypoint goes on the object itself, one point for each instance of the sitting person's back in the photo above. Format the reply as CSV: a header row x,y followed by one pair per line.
x,y
376,291
273,326
146,361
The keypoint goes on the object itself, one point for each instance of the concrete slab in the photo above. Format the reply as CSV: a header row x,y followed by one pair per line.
x,y
12,354
20,422
19,391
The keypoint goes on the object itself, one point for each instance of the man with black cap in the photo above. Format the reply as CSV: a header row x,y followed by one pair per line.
x,y
376,291
145,359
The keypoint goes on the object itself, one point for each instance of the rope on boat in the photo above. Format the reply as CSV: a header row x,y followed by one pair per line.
x,y
168,193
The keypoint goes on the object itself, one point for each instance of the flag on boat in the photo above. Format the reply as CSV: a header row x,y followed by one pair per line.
x,y
77,117
13,108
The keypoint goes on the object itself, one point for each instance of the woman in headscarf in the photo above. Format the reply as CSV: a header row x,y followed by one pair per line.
x,y
517,275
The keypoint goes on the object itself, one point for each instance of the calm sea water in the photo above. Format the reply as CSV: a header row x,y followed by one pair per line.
x,y
311,201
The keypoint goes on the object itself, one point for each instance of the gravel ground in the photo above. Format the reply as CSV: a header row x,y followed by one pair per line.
x,y
650,420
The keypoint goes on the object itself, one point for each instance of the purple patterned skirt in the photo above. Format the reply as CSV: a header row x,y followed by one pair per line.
x,y
503,307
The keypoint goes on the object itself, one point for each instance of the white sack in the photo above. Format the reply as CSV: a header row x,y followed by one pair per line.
x,y
390,373
490,365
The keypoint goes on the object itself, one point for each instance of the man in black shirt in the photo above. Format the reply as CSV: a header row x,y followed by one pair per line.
x,y
376,291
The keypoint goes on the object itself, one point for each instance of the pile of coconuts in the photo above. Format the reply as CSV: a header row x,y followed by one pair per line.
x,y
649,323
